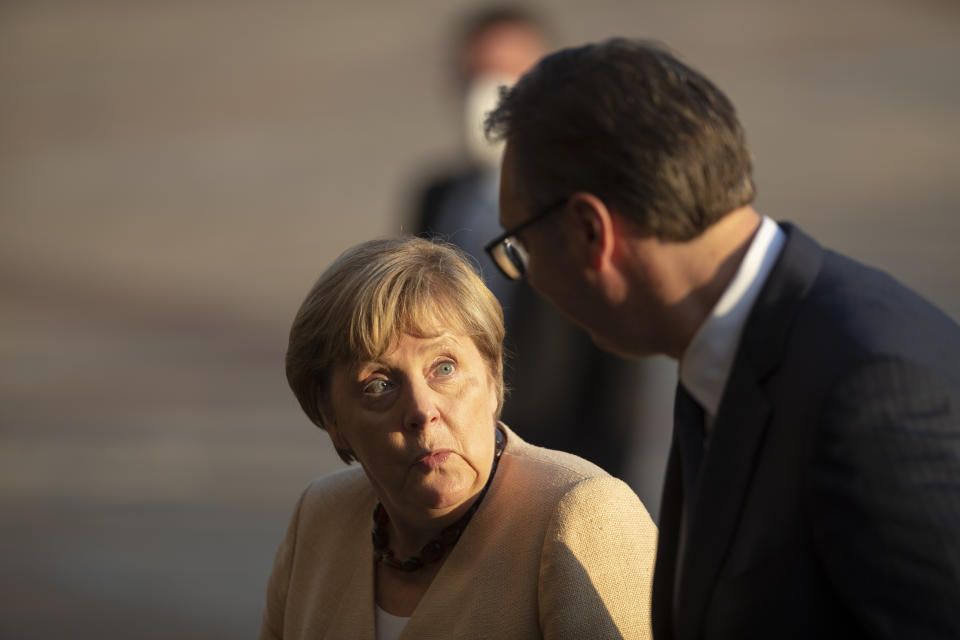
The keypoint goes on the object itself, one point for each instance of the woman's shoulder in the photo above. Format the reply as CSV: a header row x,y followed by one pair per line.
x,y
557,474
562,466
568,493
342,489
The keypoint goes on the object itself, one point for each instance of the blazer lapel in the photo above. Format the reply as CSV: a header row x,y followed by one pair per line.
x,y
739,427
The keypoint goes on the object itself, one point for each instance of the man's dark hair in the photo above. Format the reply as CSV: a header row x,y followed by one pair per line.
x,y
628,122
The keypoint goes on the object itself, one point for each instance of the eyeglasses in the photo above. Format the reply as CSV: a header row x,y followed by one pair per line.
x,y
506,250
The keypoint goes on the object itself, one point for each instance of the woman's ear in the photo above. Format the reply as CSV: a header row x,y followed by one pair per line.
x,y
328,419
338,440
331,426
340,443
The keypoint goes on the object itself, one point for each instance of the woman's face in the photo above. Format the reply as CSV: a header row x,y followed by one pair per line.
x,y
420,420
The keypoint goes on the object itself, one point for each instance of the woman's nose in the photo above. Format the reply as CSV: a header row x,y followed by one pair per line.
x,y
421,407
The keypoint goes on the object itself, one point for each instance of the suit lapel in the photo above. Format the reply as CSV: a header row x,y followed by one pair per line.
x,y
724,478
738,430
671,506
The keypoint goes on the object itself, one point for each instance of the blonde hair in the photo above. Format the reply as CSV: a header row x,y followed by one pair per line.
x,y
373,293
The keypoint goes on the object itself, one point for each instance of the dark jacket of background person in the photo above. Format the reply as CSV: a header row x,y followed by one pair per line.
x,y
831,508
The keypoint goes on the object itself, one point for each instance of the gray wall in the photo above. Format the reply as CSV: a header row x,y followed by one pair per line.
x,y
174,175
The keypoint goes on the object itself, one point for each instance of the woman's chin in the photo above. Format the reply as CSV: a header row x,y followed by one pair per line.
x,y
441,491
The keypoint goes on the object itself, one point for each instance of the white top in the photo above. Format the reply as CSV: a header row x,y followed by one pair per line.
x,y
388,626
706,363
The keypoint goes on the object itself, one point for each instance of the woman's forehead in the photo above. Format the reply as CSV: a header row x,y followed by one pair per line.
x,y
425,342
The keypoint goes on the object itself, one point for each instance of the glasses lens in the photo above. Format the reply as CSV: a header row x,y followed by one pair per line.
x,y
511,258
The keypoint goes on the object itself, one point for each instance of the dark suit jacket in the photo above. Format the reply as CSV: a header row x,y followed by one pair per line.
x,y
828,502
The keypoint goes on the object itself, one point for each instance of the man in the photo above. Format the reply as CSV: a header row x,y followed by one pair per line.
x,y
580,403
813,486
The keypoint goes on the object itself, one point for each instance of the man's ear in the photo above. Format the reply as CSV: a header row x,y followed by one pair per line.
x,y
594,229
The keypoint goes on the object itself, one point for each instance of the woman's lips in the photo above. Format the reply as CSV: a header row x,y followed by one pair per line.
x,y
434,460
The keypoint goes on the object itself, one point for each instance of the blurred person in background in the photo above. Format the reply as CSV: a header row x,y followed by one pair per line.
x,y
813,488
565,393
453,526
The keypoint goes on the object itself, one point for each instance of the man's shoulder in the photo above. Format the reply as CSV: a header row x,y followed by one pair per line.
x,y
852,311
871,307
843,284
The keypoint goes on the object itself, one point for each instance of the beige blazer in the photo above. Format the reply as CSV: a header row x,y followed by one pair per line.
x,y
558,549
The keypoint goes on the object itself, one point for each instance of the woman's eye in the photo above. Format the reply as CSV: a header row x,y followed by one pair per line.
x,y
376,386
446,369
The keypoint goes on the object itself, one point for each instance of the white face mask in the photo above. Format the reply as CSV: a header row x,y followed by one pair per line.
x,y
481,98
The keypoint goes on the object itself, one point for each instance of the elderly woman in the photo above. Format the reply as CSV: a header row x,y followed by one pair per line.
x,y
453,526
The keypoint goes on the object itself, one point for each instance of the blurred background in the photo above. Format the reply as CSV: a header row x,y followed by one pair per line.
x,y
175,175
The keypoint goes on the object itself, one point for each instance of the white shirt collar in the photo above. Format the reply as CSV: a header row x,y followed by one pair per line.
x,y
705,365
